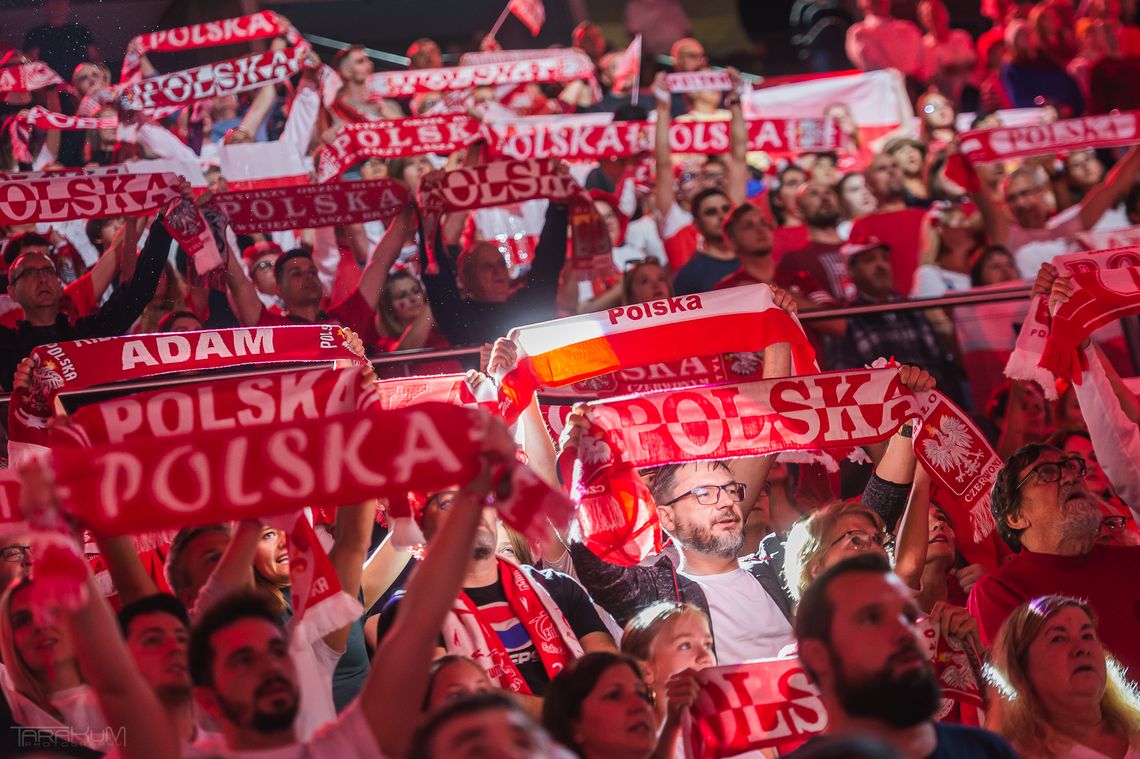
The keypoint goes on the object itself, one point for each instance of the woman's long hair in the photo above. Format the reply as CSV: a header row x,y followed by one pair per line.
x,y
388,320
26,682
1020,715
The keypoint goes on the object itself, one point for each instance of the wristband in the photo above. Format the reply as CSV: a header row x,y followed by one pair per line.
x,y
907,430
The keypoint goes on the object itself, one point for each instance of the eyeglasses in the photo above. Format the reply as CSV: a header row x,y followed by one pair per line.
x,y
709,495
13,554
1113,524
263,265
443,499
41,272
1050,471
861,540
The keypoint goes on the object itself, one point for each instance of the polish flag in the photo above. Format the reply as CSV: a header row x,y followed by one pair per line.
x,y
563,351
628,66
262,165
531,13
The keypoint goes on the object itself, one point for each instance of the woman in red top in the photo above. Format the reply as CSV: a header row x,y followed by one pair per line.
x,y
407,323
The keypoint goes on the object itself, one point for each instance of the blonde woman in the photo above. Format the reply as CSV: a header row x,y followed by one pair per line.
x,y
833,533
1065,696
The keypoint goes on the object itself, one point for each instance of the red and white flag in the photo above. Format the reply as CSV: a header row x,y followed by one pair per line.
x,y
628,66
751,706
531,13
564,351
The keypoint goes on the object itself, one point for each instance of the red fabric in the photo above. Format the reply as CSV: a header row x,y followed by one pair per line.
x,y
546,68
1104,577
833,410
900,230
525,605
352,312
79,196
625,139
27,77
395,138
698,81
1003,143
682,246
228,31
213,80
308,206
531,13
785,239
1100,296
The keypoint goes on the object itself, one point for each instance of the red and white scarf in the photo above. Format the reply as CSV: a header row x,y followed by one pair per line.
x,y
27,77
1099,298
664,375
213,80
752,706
227,31
565,351
1106,239
314,585
318,205
73,195
590,141
547,68
76,365
467,632
395,138
812,412
698,81
41,118
1027,361
1002,143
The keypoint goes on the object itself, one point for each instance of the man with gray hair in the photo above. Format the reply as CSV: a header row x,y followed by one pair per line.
x,y
1031,233
1045,513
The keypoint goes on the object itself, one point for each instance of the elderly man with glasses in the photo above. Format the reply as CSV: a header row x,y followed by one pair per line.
x,y
1046,514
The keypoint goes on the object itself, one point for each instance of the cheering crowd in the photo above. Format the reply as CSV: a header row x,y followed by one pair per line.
x,y
653,490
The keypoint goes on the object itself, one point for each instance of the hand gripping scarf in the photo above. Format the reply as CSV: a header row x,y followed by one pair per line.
x,y
466,631
811,412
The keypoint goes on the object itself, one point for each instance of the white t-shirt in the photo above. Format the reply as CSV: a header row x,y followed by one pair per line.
x,y
746,623
1033,247
349,737
932,281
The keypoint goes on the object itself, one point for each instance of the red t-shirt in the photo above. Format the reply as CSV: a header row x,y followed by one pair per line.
x,y
900,230
786,239
78,300
352,312
1105,577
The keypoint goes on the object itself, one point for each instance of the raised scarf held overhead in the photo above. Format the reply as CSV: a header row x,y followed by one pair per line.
x,y
565,351
41,118
547,68
305,206
698,81
227,31
752,706
587,141
812,412
1027,361
72,195
27,77
213,80
466,631
1002,143
395,138
60,367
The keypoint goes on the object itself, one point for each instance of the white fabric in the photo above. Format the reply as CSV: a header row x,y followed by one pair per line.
x,y
1084,752
746,623
315,664
1115,437
932,281
78,706
349,737
642,234
1114,218
160,142
1033,247
298,131
674,221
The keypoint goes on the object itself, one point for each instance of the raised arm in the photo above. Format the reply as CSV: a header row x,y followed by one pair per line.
x,y
128,574
347,556
1102,197
994,218
127,701
243,297
738,144
912,541
375,274
395,688
255,115
663,191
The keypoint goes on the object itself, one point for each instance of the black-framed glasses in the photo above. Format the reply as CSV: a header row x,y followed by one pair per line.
x,y
861,540
16,553
1114,524
1051,471
709,495
443,499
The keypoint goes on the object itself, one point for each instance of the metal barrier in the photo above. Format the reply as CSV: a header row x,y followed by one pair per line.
x,y
408,359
